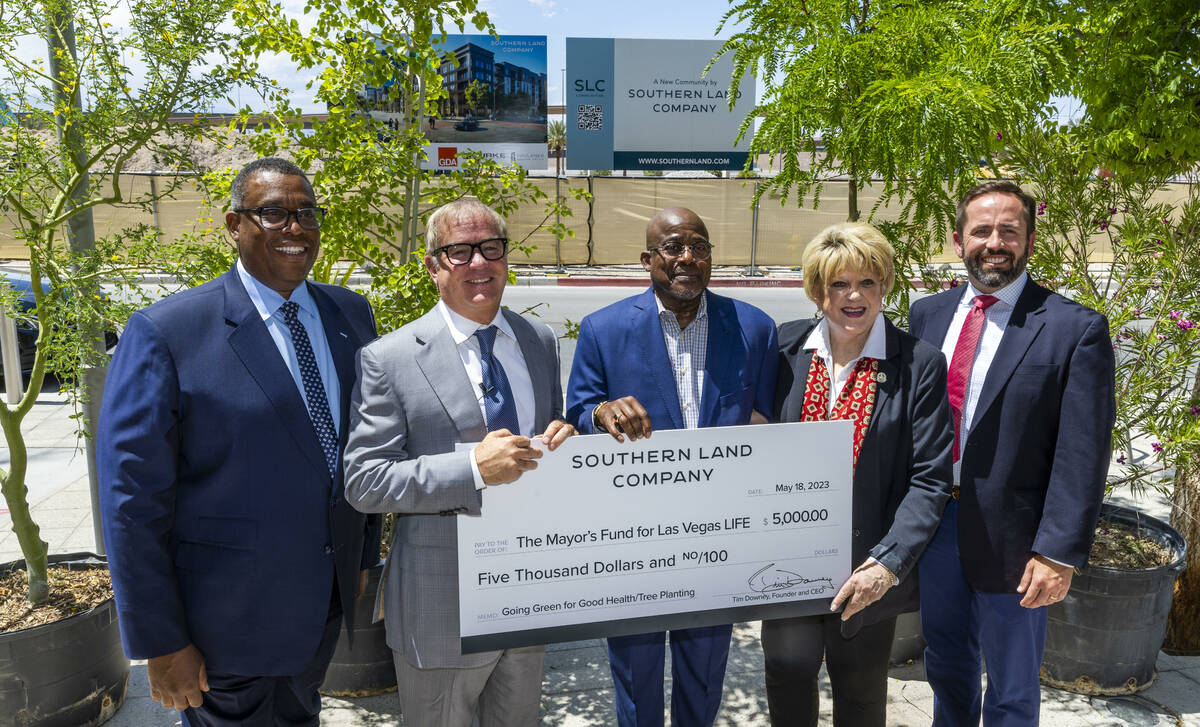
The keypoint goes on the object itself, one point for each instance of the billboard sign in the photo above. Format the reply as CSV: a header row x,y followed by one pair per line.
x,y
645,104
494,102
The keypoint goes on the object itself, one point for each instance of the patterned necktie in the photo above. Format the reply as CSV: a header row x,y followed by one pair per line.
x,y
314,390
964,358
498,405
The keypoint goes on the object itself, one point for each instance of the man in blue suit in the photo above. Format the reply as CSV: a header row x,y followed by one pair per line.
x,y
1031,394
232,551
673,357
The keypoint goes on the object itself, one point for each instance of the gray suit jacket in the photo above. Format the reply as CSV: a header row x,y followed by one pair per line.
x,y
411,404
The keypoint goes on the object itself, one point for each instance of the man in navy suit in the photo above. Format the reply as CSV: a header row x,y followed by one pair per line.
x,y
232,551
674,357
1031,392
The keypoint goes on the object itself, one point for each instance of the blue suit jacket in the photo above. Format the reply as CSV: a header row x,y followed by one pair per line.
x,y
1037,452
222,524
621,352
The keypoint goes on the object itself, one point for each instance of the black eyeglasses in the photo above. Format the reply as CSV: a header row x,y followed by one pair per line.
x,y
276,218
671,250
461,253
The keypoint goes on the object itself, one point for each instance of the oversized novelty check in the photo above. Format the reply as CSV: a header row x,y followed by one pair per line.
x,y
687,528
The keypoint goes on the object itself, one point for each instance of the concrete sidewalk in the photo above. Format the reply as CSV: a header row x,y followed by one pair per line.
x,y
576,688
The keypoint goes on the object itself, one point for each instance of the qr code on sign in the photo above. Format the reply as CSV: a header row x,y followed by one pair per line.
x,y
591,117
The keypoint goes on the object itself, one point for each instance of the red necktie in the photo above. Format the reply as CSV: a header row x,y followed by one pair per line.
x,y
964,358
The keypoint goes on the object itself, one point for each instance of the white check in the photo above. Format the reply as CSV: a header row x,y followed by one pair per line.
x,y
687,528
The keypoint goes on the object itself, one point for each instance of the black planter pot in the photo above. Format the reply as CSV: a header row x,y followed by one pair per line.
x,y
1104,637
70,673
367,668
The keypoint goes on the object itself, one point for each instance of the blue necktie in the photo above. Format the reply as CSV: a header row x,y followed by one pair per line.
x,y
314,390
498,405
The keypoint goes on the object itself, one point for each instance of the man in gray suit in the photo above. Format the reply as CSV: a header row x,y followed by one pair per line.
x,y
466,371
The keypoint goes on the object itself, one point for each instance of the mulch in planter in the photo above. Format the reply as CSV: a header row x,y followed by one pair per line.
x,y
1116,546
71,592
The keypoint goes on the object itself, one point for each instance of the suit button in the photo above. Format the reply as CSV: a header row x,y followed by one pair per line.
x,y
328,549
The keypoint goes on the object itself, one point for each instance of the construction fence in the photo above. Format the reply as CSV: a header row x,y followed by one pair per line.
x,y
610,230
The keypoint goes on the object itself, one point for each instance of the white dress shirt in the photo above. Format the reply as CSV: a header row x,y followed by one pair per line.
x,y
818,343
507,351
268,302
687,349
995,321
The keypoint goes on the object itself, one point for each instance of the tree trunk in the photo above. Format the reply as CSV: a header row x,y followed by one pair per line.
x,y
16,494
852,213
1183,625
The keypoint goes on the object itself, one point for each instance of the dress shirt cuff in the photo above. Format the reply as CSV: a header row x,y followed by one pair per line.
x,y
479,483
1056,562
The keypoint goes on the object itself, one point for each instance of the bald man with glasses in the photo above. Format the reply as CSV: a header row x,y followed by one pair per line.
x,y
467,371
677,356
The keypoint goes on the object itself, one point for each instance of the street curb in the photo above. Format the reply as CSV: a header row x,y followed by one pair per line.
x,y
592,281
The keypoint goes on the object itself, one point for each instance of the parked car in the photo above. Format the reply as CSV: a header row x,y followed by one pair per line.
x,y
27,331
467,125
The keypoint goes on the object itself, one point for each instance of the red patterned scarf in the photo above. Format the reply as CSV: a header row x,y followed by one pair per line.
x,y
855,402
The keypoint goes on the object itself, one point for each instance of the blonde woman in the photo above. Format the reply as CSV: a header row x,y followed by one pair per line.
x,y
852,363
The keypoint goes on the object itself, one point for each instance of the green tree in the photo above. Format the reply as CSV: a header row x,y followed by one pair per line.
x,y
475,95
556,139
368,174
106,91
1134,67
1138,73
913,94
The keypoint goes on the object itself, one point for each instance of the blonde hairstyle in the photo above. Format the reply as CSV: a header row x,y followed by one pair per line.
x,y
846,246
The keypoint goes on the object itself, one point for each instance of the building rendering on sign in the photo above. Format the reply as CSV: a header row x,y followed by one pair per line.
x,y
505,90
494,103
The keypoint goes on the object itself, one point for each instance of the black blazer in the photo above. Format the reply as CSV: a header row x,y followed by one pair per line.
x,y
902,480
1036,455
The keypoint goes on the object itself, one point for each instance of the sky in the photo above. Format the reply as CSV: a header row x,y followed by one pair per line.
x,y
560,19
557,20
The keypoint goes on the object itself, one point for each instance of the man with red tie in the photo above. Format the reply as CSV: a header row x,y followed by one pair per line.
x,y
1031,392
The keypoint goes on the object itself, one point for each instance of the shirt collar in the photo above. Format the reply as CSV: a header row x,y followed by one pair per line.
x,y
463,328
875,347
700,313
267,301
1007,295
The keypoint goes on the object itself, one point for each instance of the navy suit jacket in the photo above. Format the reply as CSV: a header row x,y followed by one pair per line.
x,y
902,479
222,524
621,352
1036,455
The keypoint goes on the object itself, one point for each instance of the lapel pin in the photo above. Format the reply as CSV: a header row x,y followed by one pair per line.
x,y
881,377
342,334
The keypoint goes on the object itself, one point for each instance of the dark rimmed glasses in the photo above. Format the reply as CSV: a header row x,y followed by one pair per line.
x,y
461,253
277,218
701,250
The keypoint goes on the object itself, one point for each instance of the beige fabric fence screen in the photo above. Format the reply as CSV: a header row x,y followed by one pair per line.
x,y
611,230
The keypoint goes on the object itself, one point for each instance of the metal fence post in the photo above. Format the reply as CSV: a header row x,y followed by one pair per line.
x,y
752,268
12,359
154,200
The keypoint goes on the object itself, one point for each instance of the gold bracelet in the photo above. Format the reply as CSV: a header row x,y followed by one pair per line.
x,y
595,419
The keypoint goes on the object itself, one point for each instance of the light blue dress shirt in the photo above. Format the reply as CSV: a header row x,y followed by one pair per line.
x,y
267,303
